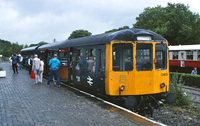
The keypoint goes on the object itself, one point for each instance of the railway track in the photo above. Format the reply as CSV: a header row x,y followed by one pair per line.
x,y
194,93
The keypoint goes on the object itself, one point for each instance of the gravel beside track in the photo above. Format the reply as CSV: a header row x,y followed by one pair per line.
x,y
183,117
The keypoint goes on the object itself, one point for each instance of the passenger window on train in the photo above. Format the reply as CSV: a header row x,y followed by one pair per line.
x,y
77,59
189,55
122,57
144,57
161,56
102,60
91,60
63,55
198,58
175,55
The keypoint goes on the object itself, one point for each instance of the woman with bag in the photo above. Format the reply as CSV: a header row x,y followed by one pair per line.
x,y
36,67
32,75
41,69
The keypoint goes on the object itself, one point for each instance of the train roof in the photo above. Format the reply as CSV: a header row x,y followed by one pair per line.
x,y
184,47
29,48
122,35
50,46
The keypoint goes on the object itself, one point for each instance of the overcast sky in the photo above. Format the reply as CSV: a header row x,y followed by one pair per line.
x,y
33,21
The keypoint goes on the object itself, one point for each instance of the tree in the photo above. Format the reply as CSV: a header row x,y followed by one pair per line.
x,y
7,48
7,52
79,33
26,46
121,28
40,43
175,22
16,48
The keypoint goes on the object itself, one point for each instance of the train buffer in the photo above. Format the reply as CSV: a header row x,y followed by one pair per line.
x,y
25,103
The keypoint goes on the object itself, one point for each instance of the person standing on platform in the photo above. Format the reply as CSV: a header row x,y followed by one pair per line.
x,y
10,61
15,60
41,70
36,67
20,61
30,63
54,67
194,71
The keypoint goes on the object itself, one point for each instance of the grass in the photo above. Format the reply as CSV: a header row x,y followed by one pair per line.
x,y
191,110
176,87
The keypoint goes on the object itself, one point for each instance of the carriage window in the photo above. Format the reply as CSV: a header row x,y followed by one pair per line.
x,y
91,60
102,67
182,56
189,55
198,58
161,56
122,57
76,58
63,55
170,56
175,55
144,57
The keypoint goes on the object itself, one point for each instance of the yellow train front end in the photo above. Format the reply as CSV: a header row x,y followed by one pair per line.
x,y
138,71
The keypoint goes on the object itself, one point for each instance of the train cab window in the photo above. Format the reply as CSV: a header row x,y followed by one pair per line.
x,y
175,55
122,57
91,60
144,56
189,55
161,56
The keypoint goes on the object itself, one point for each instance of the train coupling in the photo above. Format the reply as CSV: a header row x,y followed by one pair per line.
x,y
170,98
160,103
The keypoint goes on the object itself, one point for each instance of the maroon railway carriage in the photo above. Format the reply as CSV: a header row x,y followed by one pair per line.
x,y
183,58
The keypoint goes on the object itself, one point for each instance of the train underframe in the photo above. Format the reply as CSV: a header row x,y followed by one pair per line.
x,y
145,104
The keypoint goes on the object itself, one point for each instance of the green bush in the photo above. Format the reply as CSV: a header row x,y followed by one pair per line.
x,y
1,69
176,87
188,79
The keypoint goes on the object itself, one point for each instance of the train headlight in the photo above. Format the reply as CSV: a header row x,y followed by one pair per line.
x,y
121,87
162,85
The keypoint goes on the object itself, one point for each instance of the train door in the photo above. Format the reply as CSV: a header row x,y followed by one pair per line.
x,y
43,56
120,75
63,71
76,70
49,56
71,65
99,75
144,68
89,77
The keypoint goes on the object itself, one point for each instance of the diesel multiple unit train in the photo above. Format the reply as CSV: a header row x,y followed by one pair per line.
x,y
128,65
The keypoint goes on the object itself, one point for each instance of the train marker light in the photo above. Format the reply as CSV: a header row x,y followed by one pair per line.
x,y
162,85
122,87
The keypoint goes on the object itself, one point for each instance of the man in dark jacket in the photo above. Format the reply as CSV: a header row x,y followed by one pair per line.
x,y
30,63
15,60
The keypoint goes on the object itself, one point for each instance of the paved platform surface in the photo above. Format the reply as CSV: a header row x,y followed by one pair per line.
x,y
23,103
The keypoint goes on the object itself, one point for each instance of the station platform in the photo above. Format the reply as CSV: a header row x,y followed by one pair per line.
x,y
23,103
